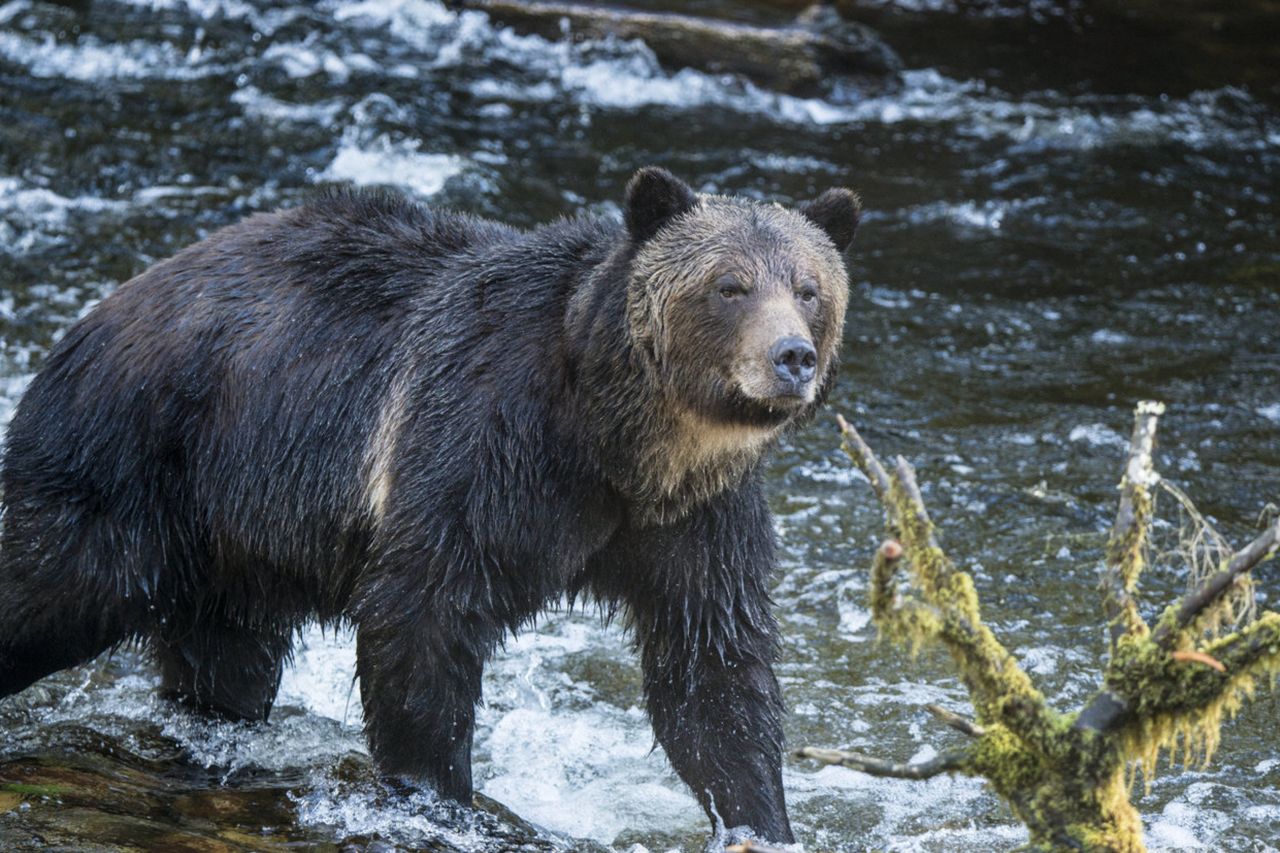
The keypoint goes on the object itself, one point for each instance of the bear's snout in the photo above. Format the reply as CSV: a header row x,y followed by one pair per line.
x,y
794,361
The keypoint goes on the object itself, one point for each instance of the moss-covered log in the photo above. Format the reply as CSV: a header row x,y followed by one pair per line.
x,y
1066,775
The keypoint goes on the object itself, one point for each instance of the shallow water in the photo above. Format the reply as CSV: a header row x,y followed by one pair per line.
x,y
1046,242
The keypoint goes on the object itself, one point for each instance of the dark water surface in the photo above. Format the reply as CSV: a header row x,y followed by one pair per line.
x,y
1049,238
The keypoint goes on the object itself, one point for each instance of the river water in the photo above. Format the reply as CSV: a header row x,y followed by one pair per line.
x,y
1041,249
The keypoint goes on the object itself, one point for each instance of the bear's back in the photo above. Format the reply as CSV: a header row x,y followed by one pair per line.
x,y
368,250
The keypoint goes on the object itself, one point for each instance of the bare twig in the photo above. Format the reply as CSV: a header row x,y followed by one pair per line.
x,y
1205,551
957,722
1216,586
946,762
1129,532
863,456
1205,548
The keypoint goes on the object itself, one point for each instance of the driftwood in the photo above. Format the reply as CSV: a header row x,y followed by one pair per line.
x,y
796,59
1065,774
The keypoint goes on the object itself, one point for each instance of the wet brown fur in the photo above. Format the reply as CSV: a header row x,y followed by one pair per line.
x,y
434,426
690,450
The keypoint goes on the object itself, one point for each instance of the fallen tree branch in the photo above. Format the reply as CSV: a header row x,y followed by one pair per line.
x,y
946,762
1064,775
796,59
990,673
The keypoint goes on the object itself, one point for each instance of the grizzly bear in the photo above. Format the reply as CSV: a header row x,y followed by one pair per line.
x,y
432,426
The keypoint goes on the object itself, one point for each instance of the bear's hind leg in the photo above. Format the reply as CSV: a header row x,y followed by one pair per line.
x,y
36,641
223,668
63,598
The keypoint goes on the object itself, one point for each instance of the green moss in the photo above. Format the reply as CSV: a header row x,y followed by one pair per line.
x,y
1181,704
883,594
33,790
1067,800
1003,760
1070,786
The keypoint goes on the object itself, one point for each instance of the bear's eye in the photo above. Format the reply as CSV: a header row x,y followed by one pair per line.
x,y
808,291
729,287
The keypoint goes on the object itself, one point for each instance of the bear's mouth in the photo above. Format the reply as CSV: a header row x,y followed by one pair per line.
x,y
777,392
789,394
775,410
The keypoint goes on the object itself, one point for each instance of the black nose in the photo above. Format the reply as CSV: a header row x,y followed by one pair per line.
x,y
794,359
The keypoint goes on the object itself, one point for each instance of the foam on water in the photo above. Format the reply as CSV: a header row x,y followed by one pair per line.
x,y
1098,435
625,75
37,205
11,10
409,20
589,775
353,810
11,389
987,215
265,21
322,676
547,747
383,161
558,754
32,216
90,60
306,59
635,79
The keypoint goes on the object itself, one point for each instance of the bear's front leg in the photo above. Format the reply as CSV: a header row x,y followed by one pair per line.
x,y
697,592
719,720
420,663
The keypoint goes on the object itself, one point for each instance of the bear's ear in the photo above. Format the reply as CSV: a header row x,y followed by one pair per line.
x,y
654,196
836,212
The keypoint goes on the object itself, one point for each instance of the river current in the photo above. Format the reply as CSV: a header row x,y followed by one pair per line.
x,y
1037,255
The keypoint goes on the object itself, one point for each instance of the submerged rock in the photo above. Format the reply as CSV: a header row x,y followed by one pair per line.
x,y
87,791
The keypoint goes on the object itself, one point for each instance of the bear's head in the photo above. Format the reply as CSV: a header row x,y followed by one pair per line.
x,y
738,305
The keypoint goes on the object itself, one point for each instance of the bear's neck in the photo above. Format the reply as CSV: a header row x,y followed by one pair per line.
x,y
662,458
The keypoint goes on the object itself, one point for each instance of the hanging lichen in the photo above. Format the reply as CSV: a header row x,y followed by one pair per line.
x,y
1169,688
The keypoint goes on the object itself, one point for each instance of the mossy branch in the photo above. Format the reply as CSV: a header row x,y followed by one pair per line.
x,y
1065,776
943,604
1178,621
860,452
1179,688
1126,548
